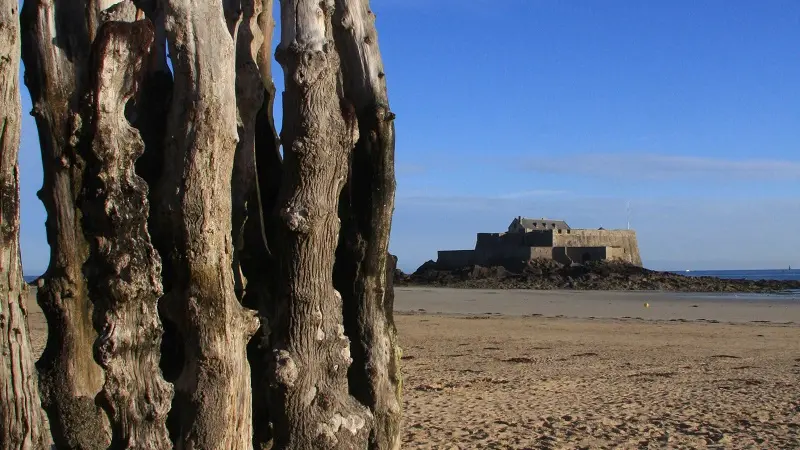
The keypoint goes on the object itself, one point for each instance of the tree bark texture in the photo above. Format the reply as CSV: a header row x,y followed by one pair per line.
x,y
55,48
366,208
212,393
123,269
312,408
22,424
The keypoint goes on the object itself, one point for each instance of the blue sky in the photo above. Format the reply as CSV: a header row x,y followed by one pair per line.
x,y
688,110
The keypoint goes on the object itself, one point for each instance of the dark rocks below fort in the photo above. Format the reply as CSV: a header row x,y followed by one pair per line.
x,y
600,275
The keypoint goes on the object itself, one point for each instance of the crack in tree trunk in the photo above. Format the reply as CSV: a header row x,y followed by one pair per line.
x,y
213,398
364,269
151,104
55,46
22,422
249,98
123,269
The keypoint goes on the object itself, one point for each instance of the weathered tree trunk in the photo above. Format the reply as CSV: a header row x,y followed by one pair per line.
x,y
55,47
123,270
148,114
212,393
22,424
366,208
256,180
311,404
249,98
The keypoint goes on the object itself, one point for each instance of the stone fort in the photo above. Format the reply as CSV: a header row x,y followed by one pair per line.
x,y
529,239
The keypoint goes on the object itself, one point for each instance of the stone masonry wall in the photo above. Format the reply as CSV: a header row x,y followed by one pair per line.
x,y
626,239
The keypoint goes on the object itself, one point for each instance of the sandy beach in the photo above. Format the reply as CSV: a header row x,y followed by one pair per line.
x,y
594,370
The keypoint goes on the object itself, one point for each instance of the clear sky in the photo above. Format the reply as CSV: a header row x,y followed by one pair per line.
x,y
688,110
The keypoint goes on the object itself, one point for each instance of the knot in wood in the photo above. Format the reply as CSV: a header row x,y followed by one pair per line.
x,y
308,397
310,66
345,352
347,21
326,6
352,423
285,372
384,114
36,110
296,219
76,124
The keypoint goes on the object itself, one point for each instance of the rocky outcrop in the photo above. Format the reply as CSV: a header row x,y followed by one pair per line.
x,y
603,275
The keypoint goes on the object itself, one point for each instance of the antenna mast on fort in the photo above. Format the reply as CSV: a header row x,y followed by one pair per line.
x,y
628,211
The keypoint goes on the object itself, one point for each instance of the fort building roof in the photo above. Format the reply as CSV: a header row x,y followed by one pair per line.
x,y
521,223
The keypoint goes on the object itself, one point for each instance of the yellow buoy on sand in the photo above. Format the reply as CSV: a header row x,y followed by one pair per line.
x,y
647,305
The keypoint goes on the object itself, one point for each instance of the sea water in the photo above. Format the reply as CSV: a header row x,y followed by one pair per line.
x,y
769,274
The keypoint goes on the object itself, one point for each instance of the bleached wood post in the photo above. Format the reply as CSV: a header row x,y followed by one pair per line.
x,y
212,393
22,424
367,205
256,180
55,50
123,269
312,407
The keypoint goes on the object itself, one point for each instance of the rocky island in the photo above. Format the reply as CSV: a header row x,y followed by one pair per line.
x,y
598,275
548,254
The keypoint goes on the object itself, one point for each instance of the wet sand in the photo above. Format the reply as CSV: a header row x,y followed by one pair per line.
x,y
734,308
539,372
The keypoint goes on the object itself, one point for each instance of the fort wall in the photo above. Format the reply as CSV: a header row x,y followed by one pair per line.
x,y
498,248
563,245
580,255
624,239
539,238
504,254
